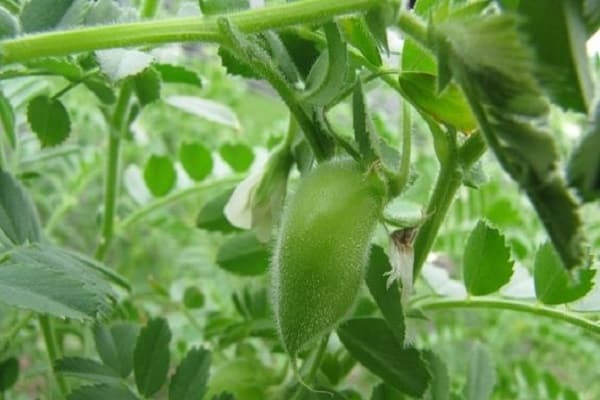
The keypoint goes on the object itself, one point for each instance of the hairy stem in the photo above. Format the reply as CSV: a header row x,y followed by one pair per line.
x,y
112,169
53,350
190,29
502,304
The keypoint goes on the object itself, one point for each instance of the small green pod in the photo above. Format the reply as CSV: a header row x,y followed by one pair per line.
x,y
322,249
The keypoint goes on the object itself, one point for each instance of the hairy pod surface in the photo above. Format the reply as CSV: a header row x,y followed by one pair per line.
x,y
322,249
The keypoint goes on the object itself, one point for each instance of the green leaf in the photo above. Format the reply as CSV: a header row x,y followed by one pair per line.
x,y
7,118
193,298
448,107
243,254
439,387
212,7
115,345
147,86
553,283
160,175
212,217
102,392
8,24
58,66
49,120
496,72
223,396
189,381
374,345
178,74
103,91
583,172
238,156
151,356
196,160
46,15
206,109
118,64
104,12
487,265
377,20
9,373
387,298
556,31
86,369
386,392
414,57
481,377
50,281
357,33
18,216
326,80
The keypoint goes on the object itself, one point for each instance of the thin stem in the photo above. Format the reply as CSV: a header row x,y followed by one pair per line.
x,y
112,169
173,198
535,309
406,145
53,350
312,364
15,329
170,30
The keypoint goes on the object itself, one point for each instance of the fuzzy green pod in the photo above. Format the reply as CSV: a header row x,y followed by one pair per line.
x,y
322,249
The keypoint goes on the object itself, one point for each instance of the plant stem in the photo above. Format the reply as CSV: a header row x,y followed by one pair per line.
x,y
487,303
53,350
14,331
187,29
406,145
412,26
312,364
117,128
173,198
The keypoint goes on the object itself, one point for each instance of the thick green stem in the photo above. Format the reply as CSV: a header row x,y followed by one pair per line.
x,y
191,29
535,309
117,128
412,26
53,350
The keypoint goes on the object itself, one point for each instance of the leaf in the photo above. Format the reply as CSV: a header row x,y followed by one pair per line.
x,y
212,7
414,57
439,387
178,74
487,265
147,86
58,66
496,72
193,298
206,109
8,24
481,377
377,18
583,171
553,283
115,345
238,156
386,392
189,381
212,217
326,80
101,89
7,118
556,31
9,373
356,32
49,120
102,392
118,64
86,369
151,356
196,160
387,298
448,107
50,281
103,12
46,15
223,396
18,216
160,175
400,367
243,254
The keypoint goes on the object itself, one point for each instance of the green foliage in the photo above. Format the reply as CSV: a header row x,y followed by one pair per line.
x,y
482,376
151,356
49,120
196,160
487,264
160,175
243,254
115,345
9,373
18,216
189,381
399,366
